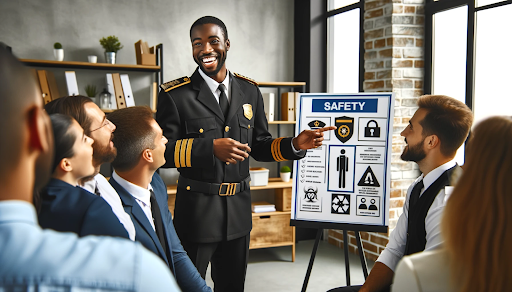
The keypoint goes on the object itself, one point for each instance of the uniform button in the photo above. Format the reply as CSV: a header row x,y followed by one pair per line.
x,y
201,130
226,129
188,188
249,126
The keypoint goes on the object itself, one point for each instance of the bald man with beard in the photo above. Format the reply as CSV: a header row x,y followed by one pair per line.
x,y
32,258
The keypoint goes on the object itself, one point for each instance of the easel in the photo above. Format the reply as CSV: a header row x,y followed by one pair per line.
x,y
320,226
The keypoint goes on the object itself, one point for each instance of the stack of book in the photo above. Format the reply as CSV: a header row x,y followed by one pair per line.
x,y
260,207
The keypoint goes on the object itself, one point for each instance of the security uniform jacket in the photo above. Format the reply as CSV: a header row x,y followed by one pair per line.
x,y
67,208
176,258
191,119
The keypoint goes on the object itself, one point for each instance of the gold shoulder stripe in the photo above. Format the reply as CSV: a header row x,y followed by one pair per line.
x,y
252,81
175,83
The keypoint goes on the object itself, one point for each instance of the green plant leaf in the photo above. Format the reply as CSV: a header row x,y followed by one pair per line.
x,y
285,169
57,46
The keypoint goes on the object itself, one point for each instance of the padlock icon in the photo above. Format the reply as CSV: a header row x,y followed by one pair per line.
x,y
372,131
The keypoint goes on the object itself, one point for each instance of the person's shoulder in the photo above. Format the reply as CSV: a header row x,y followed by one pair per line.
x,y
176,83
246,79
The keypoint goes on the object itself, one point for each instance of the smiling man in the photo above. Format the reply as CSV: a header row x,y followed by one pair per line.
x,y
213,121
435,132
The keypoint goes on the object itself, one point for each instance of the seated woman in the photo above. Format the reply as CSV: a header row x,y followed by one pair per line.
x,y
64,206
476,224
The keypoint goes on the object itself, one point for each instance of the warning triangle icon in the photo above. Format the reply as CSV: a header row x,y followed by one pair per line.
x,y
368,179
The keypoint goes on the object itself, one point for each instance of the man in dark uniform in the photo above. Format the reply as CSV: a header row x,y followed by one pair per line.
x,y
213,120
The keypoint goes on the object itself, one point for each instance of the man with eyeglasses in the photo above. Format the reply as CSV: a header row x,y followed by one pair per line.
x,y
97,126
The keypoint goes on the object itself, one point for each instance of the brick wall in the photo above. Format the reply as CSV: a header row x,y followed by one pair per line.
x,y
393,61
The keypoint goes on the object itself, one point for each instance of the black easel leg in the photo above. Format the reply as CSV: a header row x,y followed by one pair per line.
x,y
311,260
361,255
347,264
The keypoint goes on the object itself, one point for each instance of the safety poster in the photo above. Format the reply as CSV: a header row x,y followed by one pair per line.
x,y
347,179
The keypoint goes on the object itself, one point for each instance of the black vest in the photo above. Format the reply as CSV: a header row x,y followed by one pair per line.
x,y
416,232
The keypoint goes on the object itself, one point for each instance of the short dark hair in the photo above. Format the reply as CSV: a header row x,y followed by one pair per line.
x,y
447,118
63,138
212,20
133,135
72,106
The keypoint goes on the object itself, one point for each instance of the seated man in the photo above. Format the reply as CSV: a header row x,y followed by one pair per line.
x,y
435,132
140,152
44,260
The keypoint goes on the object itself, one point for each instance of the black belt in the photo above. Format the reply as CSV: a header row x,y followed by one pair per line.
x,y
223,189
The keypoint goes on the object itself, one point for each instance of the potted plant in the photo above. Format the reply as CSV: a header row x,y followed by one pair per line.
x,y
58,52
111,45
91,92
285,173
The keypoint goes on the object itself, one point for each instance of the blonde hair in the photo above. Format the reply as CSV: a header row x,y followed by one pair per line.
x,y
477,223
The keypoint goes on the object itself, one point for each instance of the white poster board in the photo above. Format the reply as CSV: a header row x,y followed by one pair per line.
x,y
345,183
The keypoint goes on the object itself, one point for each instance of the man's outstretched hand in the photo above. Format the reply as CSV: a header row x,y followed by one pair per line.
x,y
230,151
308,139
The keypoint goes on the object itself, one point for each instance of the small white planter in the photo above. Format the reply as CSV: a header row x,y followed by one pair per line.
x,y
58,54
285,176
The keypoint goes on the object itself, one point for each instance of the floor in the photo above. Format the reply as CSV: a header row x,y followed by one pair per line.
x,y
271,269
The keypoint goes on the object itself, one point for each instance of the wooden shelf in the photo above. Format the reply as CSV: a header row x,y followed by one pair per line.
x,y
271,213
87,65
267,245
282,123
283,84
273,183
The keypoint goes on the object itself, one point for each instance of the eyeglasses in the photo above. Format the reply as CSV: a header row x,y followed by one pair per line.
x,y
106,122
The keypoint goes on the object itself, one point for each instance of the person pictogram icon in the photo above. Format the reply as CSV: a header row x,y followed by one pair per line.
x,y
363,205
342,167
372,206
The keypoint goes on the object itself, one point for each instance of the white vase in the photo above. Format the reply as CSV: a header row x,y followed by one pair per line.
x,y
285,176
58,54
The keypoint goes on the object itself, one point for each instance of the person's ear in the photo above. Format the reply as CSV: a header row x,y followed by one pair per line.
x,y
65,165
38,139
228,44
147,155
432,141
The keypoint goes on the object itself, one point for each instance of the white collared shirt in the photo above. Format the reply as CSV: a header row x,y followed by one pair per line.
x,y
395,248
214,85
140,194
109,194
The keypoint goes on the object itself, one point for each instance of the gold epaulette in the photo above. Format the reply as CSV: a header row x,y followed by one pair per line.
x,y
183,153
246,78
276,150
175,83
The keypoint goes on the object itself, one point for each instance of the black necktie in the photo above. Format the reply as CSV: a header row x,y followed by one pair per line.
x,y
223,100
157,219
415,194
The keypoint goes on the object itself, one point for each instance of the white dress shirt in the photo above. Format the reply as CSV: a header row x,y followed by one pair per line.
x,y
396,246
110,195
141,195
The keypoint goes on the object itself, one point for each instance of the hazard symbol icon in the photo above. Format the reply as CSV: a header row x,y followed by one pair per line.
x,y
340,204
368,179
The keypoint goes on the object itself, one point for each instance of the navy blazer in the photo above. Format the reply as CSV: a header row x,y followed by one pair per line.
x,y
186,274
68,208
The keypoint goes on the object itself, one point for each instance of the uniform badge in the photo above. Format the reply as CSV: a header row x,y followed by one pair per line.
x,y
345,128
247,111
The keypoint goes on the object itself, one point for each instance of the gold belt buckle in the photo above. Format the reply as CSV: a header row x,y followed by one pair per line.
x,y
230,189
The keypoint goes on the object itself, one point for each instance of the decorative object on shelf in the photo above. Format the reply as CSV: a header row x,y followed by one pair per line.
x,y
91,91
144,54
92,58
285,173
105,100
259,176
58,52
111,45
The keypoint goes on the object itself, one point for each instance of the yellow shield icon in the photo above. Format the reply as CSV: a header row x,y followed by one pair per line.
x,y
247,111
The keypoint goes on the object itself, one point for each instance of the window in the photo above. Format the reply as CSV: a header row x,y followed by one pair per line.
x,y
344,56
